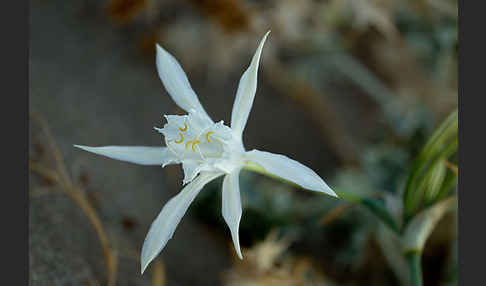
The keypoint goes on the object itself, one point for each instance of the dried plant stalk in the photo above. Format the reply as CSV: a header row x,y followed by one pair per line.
x,y
60,176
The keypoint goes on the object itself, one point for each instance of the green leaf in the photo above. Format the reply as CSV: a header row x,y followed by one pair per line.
x,y
449,182
425,175
422,225
433,181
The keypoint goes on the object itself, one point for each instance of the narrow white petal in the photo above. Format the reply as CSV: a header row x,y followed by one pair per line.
x,y
290,170
246,92
166,222
232,207
143,155
176,83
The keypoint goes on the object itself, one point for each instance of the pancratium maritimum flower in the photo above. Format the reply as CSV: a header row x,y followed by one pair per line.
x,y
206,150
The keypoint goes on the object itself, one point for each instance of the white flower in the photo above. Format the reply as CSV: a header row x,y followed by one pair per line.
x,y
206,150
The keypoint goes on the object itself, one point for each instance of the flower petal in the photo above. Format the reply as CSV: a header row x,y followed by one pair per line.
x,y
166,222
191,169
142,155
246,92
176,83
232,206
290,170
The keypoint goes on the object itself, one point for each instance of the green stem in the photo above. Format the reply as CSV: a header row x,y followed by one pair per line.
x,y
379,210
415,267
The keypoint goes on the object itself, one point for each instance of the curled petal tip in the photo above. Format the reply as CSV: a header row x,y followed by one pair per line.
x,y
245,93
324,188
143,266
143,263
290,170
265,36
159,49
240,256
331,193
86,148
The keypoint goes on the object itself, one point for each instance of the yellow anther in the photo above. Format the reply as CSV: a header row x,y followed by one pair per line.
x,y
180,140
183,129
194,143
188,143
207,136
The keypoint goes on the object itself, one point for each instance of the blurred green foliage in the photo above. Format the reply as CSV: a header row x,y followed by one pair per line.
x,y
427,179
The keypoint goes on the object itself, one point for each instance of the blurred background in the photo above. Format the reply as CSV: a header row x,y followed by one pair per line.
x,y
350,88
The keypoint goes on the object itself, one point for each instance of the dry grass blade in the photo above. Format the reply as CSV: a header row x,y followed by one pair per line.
x,y
60,166
451,167
110,254
61,176
158,273
335,213
47,174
